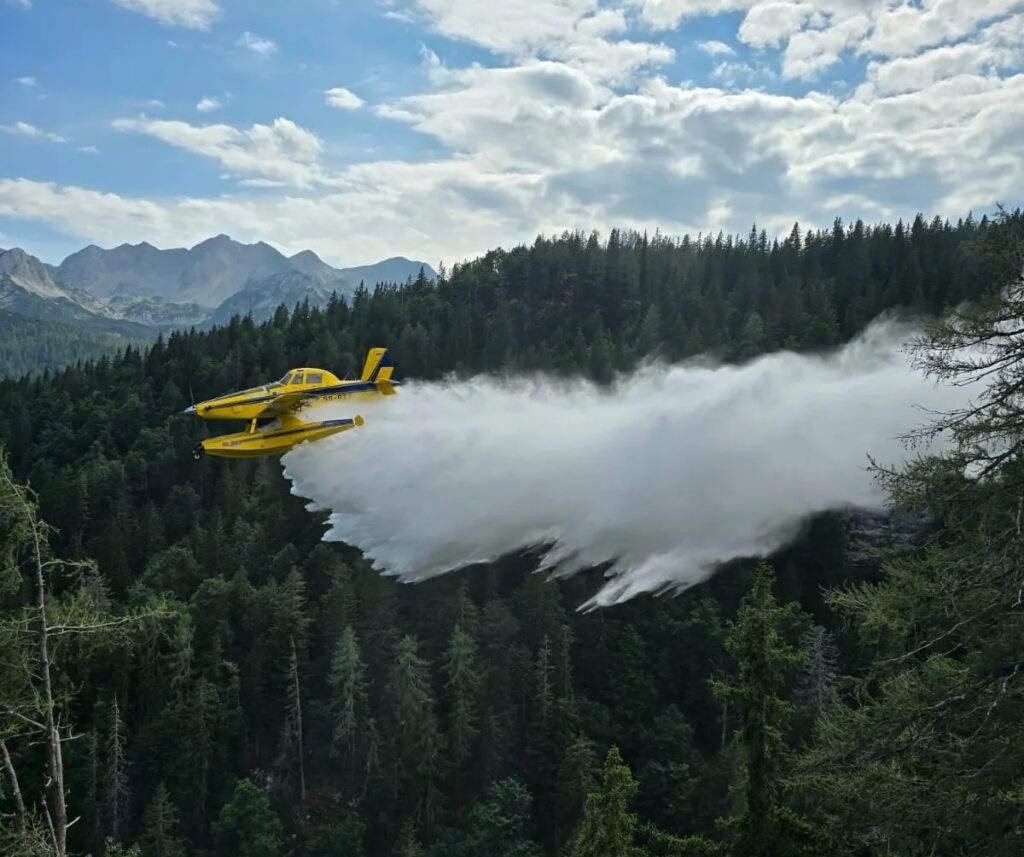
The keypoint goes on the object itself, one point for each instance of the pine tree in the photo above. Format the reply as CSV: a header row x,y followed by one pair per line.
x,y
116,769
609,828
291,755
348,705
764,661
248,825
462,683
408,845
496,826
817,678
159,827
414,733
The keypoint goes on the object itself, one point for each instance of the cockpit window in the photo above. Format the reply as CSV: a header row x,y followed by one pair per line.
x,y
314,378
286,380
297,378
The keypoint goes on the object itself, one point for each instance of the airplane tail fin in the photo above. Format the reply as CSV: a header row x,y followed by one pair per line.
x,y
378,367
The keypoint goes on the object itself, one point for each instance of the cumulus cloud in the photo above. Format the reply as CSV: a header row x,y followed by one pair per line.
x,y
905,29
257,44
514,27
88,150
343,99
999,46
716,49
814,34
430,210
27,82
282,151
24,129
667,14
193,14
574,123
582,33
208,105
510,117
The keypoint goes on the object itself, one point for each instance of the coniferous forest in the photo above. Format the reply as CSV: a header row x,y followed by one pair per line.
x,y
186,669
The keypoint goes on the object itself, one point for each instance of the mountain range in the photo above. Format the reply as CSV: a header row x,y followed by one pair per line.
x,y
207,283
134,291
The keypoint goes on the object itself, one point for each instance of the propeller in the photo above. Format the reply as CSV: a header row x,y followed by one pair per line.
x,y
197,450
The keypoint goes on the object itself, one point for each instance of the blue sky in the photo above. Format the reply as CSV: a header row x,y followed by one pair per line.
x,y
437,129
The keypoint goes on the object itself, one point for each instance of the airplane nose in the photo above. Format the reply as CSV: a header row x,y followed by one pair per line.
x,y
191,409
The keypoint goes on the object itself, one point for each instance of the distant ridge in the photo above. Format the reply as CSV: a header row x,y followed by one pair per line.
x,y
212,271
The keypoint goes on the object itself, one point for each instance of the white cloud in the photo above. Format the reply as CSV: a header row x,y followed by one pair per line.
x,y
998,46
88,150
281,151
193,14
343,99
155,103
570,126
581,33
27,82
419,210
257,44
667,14
27,4
906,29
716,49
810,51
513,27
767,25
814,34
23,129
732,73
208,105
513,118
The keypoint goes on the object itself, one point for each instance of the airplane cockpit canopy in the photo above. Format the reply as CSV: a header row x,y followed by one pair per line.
x,y
302,376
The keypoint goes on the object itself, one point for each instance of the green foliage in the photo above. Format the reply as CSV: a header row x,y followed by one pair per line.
x,y
334,840
609,828
417,701
925,756
764,661
496,826
248,825
30,346
159,836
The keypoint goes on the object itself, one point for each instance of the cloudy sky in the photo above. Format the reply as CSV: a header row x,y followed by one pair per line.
x,y
437,129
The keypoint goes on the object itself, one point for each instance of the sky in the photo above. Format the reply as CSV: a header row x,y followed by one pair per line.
x,y
439,129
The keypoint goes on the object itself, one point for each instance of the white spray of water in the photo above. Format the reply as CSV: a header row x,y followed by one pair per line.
x,y
668,474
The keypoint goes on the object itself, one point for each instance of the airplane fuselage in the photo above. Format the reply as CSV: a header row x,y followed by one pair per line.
x,y
271,410
251,404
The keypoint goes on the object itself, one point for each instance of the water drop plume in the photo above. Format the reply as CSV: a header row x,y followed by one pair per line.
x,y
665,475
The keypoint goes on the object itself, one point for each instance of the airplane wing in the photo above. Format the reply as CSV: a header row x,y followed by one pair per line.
x,y
283,403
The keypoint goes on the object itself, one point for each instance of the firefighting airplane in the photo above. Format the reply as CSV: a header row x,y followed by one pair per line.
x,y
271,409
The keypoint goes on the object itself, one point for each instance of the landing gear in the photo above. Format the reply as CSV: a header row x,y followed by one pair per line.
x,y
197,451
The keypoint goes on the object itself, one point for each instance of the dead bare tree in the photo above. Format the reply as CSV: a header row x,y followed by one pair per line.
x,y
31,638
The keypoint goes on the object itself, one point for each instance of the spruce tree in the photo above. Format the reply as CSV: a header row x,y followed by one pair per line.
x,y
764,663
609,828
159,836
248,825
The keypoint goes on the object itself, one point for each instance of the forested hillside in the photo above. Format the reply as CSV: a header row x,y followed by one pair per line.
x,y
230,685
30,346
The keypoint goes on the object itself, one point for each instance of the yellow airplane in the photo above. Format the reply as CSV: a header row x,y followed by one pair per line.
x,y
271,409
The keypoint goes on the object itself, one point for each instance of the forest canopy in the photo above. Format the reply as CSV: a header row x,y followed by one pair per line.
x,y
222,682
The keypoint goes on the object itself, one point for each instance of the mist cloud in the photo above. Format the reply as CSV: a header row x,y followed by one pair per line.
x,y
668,474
